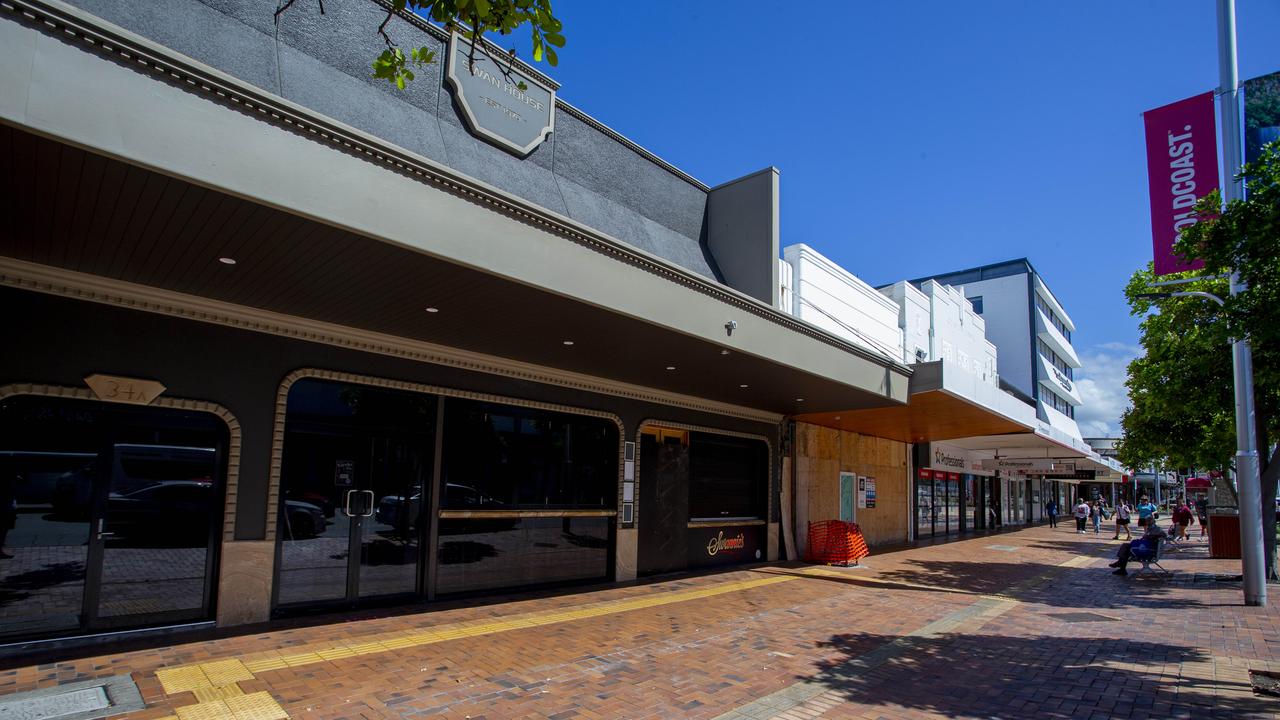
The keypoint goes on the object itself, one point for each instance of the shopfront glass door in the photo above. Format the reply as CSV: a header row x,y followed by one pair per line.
x,y
388,526
355,481
163,496
109,515
925,510
972,512
952,501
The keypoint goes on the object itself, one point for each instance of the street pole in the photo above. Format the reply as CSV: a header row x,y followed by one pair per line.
x,y
1248,482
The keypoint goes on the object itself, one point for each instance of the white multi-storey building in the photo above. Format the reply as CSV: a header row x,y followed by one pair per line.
x,y
993,379
1032,333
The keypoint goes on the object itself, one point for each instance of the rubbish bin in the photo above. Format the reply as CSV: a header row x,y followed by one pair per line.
x,y
1224,533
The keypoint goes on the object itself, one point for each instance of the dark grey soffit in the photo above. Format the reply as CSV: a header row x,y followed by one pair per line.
x,y
164,66
64,207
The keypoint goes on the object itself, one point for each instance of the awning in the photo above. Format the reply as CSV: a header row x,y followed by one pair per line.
x,y
84,220
944,403
1199,483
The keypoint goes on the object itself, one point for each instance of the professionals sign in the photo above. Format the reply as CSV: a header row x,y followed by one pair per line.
x,y
1182,167
1073,475
494,104
951,457
1021,465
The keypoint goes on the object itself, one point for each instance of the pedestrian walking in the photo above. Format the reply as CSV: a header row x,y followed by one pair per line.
x,y
1202,514
1051,509
1123,513
1182,518
1147,512
1095,516
1081,513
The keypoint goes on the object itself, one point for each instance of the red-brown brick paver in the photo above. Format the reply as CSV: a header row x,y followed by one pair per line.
x,y
950,630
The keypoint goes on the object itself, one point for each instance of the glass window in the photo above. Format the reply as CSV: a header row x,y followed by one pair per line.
x,y
116,508
924,507
483,554
500,456
728,476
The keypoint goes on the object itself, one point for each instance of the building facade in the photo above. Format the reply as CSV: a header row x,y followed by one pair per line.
x,y
984,452
1032,332
293,340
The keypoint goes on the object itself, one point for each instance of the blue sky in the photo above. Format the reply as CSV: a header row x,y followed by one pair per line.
x,y
920,137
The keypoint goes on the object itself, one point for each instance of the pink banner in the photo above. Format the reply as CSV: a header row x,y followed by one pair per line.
x,y
1182,167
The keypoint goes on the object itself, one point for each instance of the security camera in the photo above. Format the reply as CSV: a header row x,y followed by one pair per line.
x,y
730,326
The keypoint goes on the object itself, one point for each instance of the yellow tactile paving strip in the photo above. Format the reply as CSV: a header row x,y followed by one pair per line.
x,y
220,698
518,622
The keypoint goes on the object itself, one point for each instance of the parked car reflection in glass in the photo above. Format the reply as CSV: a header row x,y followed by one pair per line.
x,y
160,496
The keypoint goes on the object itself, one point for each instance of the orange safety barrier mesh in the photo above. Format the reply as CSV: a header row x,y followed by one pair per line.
x,y
836,542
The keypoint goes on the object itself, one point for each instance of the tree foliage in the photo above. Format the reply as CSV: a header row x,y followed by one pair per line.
x,y
1182,389
1183,410
473,19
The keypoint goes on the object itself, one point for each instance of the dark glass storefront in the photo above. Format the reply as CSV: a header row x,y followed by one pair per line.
x,y
355,473
109,515
525,496
943,502
504,465
703,499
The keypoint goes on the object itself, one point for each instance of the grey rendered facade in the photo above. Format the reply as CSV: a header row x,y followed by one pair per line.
x,y
587,280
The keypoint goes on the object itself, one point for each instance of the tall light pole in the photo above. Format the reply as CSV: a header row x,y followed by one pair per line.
x,y
1249,484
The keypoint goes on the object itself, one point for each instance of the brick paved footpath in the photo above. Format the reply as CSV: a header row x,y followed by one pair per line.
x,y
952,630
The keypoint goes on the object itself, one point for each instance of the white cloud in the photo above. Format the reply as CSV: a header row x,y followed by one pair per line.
x,y
1101,385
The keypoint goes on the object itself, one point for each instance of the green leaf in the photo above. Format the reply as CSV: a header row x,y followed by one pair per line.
x,y
555,39
551,56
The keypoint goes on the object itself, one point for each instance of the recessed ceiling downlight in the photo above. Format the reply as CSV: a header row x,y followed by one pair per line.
x,y
227,260
671,367
568,342
743,385
432,309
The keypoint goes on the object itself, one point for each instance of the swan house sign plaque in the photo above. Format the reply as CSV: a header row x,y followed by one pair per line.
x,y
492,102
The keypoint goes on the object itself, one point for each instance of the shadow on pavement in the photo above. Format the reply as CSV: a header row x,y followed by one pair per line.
x,y
1070,587
1049,678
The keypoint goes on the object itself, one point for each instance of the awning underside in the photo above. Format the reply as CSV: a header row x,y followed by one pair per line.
x,y
68,208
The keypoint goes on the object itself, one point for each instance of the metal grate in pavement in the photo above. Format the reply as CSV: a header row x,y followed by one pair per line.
x,y
1003,548
87,700
1079,617
1265,682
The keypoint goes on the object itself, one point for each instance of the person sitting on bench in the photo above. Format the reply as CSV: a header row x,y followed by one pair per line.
x,y
1144,546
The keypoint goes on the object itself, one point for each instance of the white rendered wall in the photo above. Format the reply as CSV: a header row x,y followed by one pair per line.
x,y
959,334
785,280
913,319
1005,310
828,296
